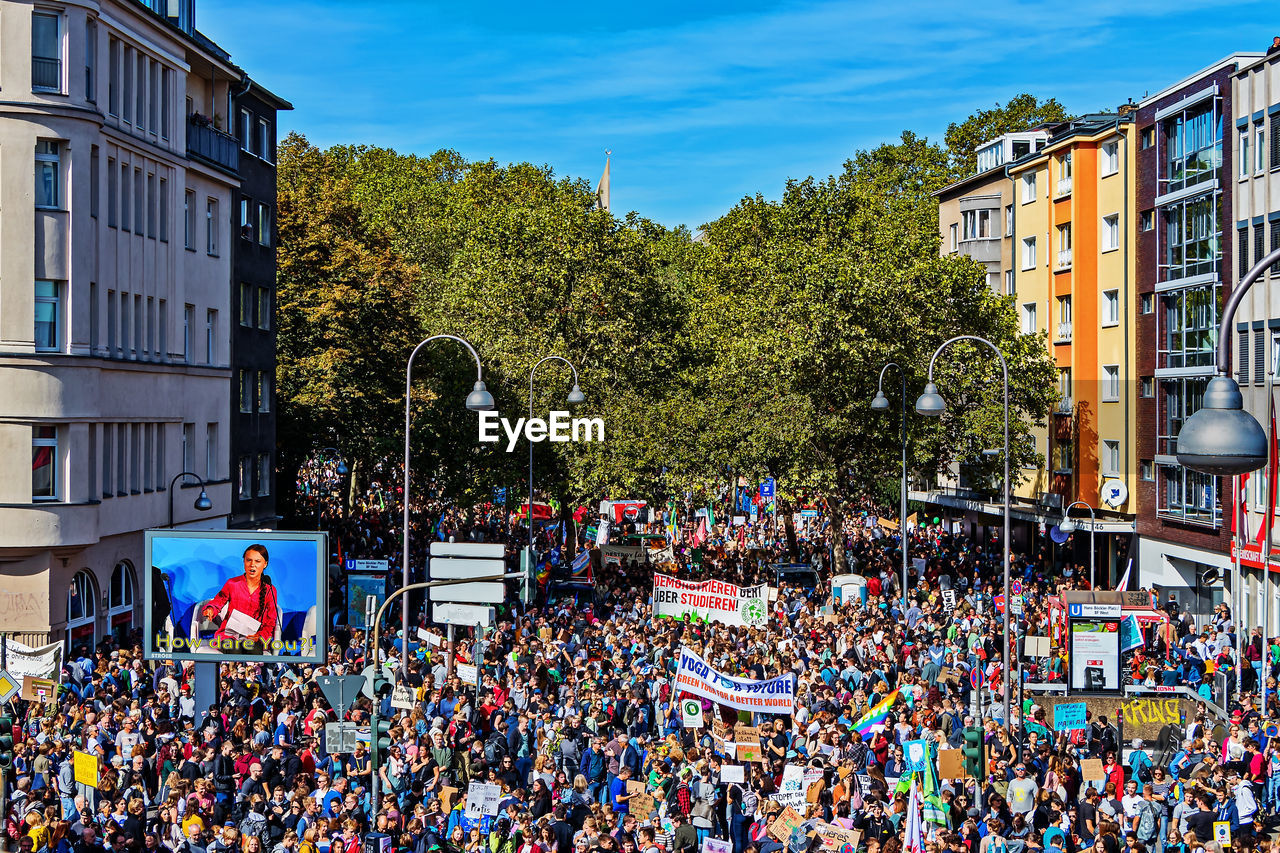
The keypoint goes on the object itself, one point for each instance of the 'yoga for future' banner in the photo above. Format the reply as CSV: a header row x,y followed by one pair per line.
x,y
774,696
710,601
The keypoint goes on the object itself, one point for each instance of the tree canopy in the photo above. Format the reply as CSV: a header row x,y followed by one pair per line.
x,y
1022,112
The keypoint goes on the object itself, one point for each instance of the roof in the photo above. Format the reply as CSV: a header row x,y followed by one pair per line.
x,y
1230,59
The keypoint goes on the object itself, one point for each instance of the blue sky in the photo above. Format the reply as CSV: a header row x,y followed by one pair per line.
x,y
703,102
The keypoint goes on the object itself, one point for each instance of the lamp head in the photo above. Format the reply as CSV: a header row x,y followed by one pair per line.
x,y
576,396
1221,438
202,502
931,402
1067,525
480,400
880,402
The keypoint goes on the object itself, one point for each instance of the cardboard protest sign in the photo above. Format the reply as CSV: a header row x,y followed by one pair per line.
x,y
85,767
448,798
780,829
749,752
834,839
951,763
733,773
1091,768
746,734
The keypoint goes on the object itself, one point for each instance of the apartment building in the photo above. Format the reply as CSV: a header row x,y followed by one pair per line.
x,y
1255,210
1071,228
1186,182
115,301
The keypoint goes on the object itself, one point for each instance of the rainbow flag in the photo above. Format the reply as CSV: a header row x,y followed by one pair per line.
x,y
875,717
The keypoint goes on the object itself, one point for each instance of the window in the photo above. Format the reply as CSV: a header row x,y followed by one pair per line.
x,y
94,318
113,193
1110,158
164,210
1028,253
1064,173
1110,307
1146,470
125,205
153,120
977,224
1111,232
1029,319
1244,153
1062,457
1260,150
126,94
264,308
1008,220
107,468
47,311
151,325
1146,303
955,236
1064,245
188,317
1191,244
1147,220
46,52
244,129
1110,383
44,462
246,391
246,219
189,219
94,179
90,60
264,225
122,459
139,203
1064,318
151,205
1242,250
48,174
211,226
1028,187
1188,330
188,448
1275,141
113,76
211,337
1147,386
246,305
993,282
211,452
264,140
166,89
264,391
264,474
138,320
1010,288
1111,458
244,487
140,114
1064,389
112,322
1193,147
1147,137
148,454
163,325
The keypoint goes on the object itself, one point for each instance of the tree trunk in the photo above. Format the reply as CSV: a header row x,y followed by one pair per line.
x,y
835,534
353,487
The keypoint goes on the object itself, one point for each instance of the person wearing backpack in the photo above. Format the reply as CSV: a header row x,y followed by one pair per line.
x,y
1146,824
593,766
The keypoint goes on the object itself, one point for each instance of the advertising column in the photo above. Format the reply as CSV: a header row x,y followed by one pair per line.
x,y
1094,637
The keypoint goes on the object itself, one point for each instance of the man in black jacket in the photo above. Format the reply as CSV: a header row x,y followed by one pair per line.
x,y
224,782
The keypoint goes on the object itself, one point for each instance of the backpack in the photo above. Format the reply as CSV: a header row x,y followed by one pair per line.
x,y
1148,823
494,749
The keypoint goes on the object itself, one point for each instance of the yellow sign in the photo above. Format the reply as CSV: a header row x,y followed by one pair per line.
x,y
86,768
1222,832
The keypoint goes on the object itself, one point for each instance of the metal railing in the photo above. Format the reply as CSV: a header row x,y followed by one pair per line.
x,y
46,74
212,145
1064,331
1064,186
1064,258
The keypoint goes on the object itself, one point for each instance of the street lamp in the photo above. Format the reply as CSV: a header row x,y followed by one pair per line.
x,y
881,403
575,397
1221,438
203,504
1069,526
479,400
931,403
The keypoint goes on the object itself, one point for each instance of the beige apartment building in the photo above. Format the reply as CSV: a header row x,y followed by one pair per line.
x,y
115,204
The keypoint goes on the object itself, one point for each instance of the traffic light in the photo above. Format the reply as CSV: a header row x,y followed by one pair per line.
x,y
975,757
6,743
528,583
381,737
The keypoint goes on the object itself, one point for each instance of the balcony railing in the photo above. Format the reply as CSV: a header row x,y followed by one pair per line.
x,y
1064,186
1064,258
1064,331
212,145
1064,406
46,74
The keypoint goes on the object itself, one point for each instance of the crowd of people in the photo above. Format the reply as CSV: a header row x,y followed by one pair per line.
x,y
576,720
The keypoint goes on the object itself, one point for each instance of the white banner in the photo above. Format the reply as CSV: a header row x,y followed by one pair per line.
x,y
44,662
710,601
774,696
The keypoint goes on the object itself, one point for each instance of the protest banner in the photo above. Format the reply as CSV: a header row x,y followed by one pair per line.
x,y
22,660
835,839
780,829
791,792
641,805
772,696
746,734
85,768
39,689
1069,717
482,799
951,763
1091,768
709,601
733,773
448,797
748,752
716,845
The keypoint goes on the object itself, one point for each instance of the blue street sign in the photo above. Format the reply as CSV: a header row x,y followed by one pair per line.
x,y
767,488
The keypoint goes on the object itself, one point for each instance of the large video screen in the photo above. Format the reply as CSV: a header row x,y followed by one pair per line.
x,y
247,595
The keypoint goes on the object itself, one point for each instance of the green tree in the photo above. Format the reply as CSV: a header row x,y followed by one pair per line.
x,y
1020,113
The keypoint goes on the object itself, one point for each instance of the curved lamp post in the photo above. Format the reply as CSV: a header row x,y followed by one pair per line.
x,y
931,403
1069,526
881,403
203,504
479,400
575,397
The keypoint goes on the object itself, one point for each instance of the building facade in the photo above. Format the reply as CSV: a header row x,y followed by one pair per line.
x,y
115,302
253,302
1185,258
1071,230
1255,148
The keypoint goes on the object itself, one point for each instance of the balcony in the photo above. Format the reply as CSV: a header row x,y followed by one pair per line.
x,y
46,74
1064,258
1064,187
207,143
1064,407
1064,332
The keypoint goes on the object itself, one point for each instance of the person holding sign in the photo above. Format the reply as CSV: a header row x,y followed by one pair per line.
x,y
250,603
